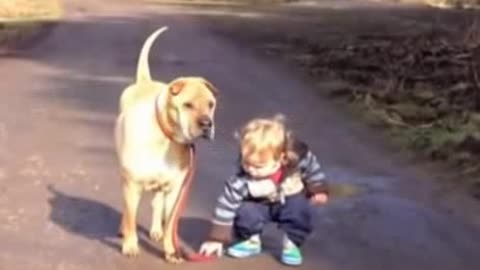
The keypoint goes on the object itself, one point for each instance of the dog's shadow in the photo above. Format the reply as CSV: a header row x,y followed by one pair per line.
x,y
97,221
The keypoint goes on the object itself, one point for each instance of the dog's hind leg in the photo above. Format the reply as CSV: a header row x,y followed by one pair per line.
x,y
156,229
131,197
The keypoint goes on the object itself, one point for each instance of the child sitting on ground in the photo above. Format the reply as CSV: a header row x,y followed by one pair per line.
x,y
277,180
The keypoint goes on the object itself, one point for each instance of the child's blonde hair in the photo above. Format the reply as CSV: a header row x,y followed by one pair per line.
x,y
263,138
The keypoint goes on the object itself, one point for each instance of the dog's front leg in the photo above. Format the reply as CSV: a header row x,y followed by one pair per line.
x,y
131,197
156,230
172,201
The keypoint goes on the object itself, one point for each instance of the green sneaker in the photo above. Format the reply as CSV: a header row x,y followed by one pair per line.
x,y
291,255
245,248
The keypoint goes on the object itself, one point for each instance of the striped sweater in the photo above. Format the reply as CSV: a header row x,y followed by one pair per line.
x,y
238,189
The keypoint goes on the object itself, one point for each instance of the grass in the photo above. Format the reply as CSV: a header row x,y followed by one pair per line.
x,y
14,10
22,21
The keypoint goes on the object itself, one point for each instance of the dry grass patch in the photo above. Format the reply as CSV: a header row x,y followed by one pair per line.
x,y
23,21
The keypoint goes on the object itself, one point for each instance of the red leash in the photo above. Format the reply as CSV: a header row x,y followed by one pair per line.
x,y
179,206
189,254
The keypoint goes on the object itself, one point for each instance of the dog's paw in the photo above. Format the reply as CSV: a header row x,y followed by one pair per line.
x,y
167,187
156,235
130,248
174,258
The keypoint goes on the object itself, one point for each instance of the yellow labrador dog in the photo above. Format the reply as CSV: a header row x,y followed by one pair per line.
x,y
156,125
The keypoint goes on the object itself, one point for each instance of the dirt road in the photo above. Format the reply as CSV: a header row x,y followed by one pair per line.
x,y
59,185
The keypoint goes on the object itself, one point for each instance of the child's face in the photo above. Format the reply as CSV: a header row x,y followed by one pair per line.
x,y
261,170
262,147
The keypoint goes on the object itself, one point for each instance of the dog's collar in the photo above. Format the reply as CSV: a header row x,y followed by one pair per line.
x,y
161,123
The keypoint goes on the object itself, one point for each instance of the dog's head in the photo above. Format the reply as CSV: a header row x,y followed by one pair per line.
x,y
191,106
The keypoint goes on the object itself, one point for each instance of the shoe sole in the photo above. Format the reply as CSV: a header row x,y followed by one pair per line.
x,y
242,254
291,262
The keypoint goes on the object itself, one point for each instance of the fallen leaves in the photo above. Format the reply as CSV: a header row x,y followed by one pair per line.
x,y
424,88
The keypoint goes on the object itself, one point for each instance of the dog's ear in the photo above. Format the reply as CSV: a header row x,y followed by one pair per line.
x,y
176,86
210,87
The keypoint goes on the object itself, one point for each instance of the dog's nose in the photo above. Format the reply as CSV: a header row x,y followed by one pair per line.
x,y
205,122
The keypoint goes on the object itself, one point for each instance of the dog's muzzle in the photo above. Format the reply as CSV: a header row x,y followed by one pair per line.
x,y
206,126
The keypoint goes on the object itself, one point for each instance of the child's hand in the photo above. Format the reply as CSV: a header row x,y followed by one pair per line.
x,y
319,198
210,248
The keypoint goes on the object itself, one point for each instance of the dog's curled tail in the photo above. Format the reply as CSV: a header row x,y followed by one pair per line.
x,y
143,68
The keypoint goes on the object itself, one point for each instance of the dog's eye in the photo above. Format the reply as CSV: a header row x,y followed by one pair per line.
x,y
188,105
211,104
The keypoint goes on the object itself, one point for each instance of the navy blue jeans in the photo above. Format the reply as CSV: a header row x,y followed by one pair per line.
x,y
294,217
